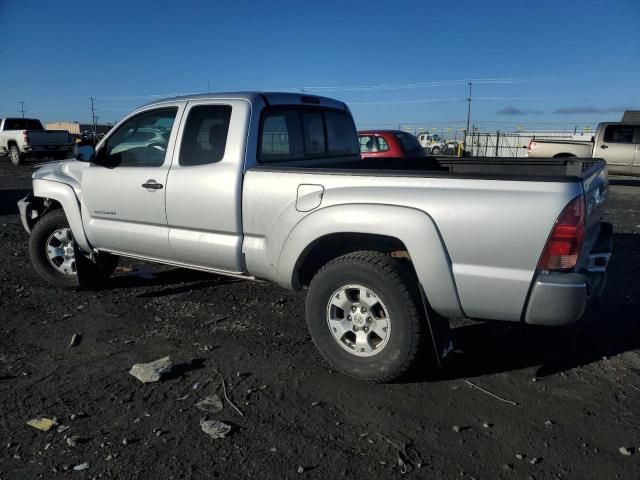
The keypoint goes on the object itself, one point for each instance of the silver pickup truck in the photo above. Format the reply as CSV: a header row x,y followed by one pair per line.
x,y
271,186
617,143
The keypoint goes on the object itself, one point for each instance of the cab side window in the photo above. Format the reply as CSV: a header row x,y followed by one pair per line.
x,y
618,134
141,141
383,146
205,135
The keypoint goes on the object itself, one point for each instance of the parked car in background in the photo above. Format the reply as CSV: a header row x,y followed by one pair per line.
x,y
617,143
22,138
272,186
389,143
432,143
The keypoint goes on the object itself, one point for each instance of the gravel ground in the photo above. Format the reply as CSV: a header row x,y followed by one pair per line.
x,y
576,390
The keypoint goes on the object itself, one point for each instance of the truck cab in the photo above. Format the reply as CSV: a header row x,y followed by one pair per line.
x,y
619,145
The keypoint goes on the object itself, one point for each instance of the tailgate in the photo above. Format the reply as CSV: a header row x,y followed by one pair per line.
x,y
48,138
596,193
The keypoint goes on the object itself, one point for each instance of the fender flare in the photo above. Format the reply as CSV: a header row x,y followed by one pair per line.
x,y
66,196
414,228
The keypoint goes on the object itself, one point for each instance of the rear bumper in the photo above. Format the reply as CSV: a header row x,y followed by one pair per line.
x,y
45,151
561,298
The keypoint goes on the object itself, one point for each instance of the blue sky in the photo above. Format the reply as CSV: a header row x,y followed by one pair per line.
x,y
539,64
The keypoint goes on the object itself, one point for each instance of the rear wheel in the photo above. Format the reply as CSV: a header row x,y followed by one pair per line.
x,y
15,155
364,317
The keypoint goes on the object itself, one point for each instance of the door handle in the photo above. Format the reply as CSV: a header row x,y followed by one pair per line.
x,y
604,146
151,184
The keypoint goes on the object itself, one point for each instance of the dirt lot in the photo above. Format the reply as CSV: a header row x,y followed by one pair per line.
x,y
577,390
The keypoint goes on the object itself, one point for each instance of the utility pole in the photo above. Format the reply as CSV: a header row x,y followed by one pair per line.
x,y
208,86
464,147
22,110
94,119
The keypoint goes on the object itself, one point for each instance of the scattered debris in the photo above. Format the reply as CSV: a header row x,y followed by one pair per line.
x,y
489,393
300,469
535,460
548,423
273,449
75,339
407,455
82,466
214,428
73,440
519,456
195,386
626,451
456,428
216,319
151,372
487,425
506,467
42,423
62,428
211,404
224,391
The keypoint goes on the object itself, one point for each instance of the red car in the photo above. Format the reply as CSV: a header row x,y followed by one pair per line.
x,y
389,143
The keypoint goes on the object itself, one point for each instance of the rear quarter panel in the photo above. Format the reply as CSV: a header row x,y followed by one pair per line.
x,y
493,231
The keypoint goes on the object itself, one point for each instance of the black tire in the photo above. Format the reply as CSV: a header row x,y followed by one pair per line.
x,y
435,151
396,287
40,233
88,274
14,155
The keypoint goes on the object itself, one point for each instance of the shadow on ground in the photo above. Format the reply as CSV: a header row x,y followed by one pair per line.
x,y
176,280
612,328
9,200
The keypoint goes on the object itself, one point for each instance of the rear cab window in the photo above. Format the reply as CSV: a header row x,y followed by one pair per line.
x,y
22,124
300,133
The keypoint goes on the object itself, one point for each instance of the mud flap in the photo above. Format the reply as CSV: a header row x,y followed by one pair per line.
x,y
439,329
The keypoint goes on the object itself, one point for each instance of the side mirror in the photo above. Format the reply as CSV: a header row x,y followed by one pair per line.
x,y
85,153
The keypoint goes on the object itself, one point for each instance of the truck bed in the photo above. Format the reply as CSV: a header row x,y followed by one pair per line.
x,y
572,170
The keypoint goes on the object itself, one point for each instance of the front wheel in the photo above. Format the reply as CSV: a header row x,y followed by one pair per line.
x,y
364,317
56,258
435,151
15,155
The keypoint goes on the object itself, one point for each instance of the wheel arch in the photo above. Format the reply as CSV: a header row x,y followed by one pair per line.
x,y
341,229
64,196
564,155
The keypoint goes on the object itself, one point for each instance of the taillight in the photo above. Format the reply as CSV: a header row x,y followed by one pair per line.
x,y
25,134
567,237
532,146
